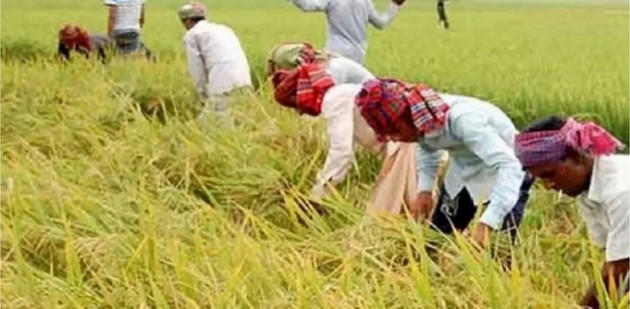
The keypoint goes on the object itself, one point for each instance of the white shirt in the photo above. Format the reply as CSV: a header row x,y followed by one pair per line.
x,y
347,23
127,13
216,60
479,139
605,207
346,71
345,125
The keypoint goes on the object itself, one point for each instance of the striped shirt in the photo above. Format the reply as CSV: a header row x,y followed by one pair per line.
x,y
128,13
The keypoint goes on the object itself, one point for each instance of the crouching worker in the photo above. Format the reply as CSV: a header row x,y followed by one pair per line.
x,y
479,139
216,62
319,84
578,160
74,38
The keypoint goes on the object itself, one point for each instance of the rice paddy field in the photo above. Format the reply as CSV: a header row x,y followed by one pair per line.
x,y
105,206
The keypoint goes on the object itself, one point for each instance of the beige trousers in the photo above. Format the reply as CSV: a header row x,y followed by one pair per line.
x,y
395,187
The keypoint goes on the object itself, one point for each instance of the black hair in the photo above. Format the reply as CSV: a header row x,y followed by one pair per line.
x,y
193,20
548,123
197,19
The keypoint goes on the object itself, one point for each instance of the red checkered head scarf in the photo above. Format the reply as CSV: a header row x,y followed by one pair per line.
x,y
588,138
388,105
73,36
302,88
285,87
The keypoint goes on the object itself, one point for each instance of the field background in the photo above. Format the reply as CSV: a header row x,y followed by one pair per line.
x,y
102,208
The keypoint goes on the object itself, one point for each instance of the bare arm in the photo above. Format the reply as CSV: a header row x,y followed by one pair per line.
x,y
142,17
111,20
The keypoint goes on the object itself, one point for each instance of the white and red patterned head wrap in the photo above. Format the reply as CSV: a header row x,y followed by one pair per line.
x,y
589,139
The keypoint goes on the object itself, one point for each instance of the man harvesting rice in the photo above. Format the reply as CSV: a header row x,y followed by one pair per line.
x,y
74,38
479,139
320,84
348,21
216,61
577,159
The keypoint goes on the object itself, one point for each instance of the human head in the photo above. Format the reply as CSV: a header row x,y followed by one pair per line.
x,y
560,151
285,87
191,13
72,35
302,88
288,55
401,111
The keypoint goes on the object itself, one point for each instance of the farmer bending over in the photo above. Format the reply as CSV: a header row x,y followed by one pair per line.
x,y
216,61
74,38
578,160
316,85
348,21
479,139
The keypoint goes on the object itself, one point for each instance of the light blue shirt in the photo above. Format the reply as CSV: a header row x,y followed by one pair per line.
x,y
347,23
479,139
346,71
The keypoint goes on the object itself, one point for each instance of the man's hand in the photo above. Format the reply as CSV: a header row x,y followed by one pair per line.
x,y
421,208
399,2
481,235
614,272
318,192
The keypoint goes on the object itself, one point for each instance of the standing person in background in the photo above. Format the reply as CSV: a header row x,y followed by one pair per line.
x,y
124,25
216,61
288,56
579,160
348,21
441,10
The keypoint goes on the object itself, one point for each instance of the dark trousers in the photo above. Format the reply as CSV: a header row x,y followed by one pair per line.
x,y
129,41
456,213
442,14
